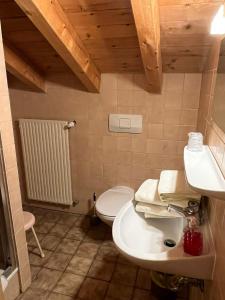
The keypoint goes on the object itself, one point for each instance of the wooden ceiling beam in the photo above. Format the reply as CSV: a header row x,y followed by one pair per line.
x,y
146,16
50,19
22,70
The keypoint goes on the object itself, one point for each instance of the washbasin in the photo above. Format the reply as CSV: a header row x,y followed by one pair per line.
x,y
156,244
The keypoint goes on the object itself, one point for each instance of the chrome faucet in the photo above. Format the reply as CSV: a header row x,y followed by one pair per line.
x,y
194,209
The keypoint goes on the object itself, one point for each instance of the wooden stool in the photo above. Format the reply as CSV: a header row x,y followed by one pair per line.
x,y
29,221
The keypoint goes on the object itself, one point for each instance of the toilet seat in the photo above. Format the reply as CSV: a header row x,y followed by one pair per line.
x,y
110,202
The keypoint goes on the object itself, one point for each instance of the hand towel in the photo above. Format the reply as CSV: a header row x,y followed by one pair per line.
x,y
147,192
155,210
151,216
172,186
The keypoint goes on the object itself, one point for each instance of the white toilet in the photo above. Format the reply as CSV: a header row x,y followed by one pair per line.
x,y
111,201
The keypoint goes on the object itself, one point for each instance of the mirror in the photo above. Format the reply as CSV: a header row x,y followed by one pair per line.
x,y
219,93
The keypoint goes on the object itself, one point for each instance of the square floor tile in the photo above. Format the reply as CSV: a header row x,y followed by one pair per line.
x,y
88,250
33,294
69,284
108,243
95,235
68,220
38,220
93,289
124,261
58,261
79,265
119,292
34,271
38,211
101,270
143,279
107,254
52,216
56,296
83,222
46,279
76,233
142,295
124,274
43,227
31,240
59,230
36,259
30,248
68,246
50,242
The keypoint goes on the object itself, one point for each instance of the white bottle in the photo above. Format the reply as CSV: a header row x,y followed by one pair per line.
x,y
195,141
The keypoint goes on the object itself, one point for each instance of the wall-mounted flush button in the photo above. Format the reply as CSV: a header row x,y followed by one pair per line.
x,y
125,123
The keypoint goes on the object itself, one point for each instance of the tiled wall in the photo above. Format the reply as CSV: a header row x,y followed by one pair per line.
x,y
101,159
215,138
12,174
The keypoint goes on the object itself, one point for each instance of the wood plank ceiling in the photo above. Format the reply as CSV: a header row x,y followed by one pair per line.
x,y
108,32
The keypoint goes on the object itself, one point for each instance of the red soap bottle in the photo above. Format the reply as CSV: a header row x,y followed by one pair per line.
x,y
193,240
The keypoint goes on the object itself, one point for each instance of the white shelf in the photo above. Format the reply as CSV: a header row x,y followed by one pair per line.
x,y
203,173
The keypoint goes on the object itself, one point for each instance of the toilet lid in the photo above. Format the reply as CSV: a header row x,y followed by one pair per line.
x,y
110,202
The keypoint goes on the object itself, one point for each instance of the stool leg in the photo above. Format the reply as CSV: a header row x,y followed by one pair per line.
x,y
36,238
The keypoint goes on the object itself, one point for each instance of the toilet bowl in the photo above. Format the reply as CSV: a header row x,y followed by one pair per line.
x,y
111,201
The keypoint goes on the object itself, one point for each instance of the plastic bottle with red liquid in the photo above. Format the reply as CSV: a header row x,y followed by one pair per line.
x,y
193,240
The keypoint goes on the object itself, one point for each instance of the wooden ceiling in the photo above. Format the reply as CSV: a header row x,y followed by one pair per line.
x,y
107,30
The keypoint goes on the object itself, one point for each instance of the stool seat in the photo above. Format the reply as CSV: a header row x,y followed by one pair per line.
x,y
29,220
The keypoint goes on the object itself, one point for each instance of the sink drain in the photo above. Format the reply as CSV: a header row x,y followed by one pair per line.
x,y
169,243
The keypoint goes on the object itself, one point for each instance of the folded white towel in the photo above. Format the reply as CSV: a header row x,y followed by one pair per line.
x,y
154,195
150,195
147,192
171,197
173,186
151,216
155,210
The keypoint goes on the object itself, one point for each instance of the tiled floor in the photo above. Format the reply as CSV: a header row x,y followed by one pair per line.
x,y
81,262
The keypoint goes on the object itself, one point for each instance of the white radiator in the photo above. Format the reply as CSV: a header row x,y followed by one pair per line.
x,y
45,146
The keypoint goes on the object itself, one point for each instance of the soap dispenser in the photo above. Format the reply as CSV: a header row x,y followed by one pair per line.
x,y
193,240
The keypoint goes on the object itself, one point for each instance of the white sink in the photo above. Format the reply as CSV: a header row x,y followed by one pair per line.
x,y
142,241
203,174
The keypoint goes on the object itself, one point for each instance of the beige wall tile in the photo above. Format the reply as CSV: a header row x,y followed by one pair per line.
x,y
155,146
171,132
124,143
125,82
139,144
108,82
189,117
124,97
192,87
173,82
139,159
172,116
124,157
173,99
155,131
157,112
